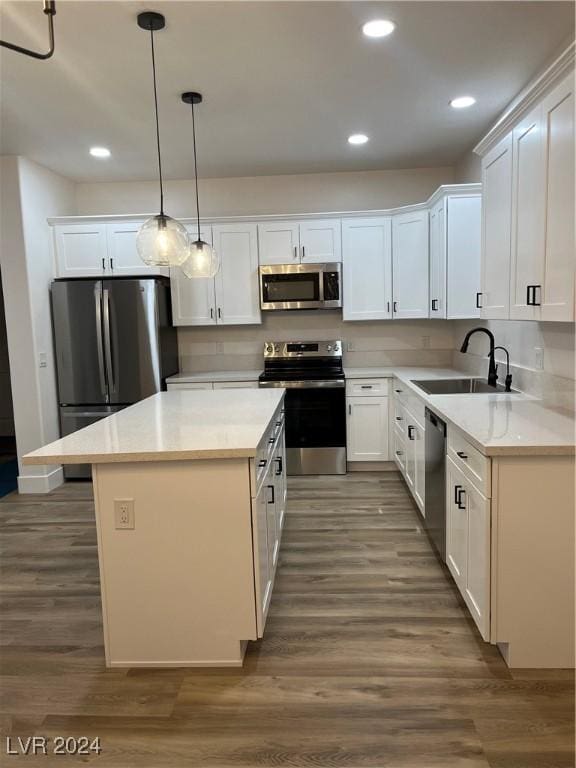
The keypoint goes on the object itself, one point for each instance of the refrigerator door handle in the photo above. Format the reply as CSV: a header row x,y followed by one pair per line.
x,y
99,342
108,340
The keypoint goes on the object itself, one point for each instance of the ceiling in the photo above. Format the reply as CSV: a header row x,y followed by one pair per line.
x,y
284,83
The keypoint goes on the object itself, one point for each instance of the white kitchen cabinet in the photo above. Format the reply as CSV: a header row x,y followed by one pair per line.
x,y
193,299
280,484
496,230
438,259
123,258
556,296
367,268
236,283
367,428
528,146
279,242
235,385
468,544
306,242
415,459
189,385
463,255
399,446
410,265
263,557
81,250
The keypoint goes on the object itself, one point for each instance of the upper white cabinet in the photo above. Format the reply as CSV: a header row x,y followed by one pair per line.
x,y
528,264
193,300
103,249
438,259
81,250
236,283
410,265
367,268
289,242
496,230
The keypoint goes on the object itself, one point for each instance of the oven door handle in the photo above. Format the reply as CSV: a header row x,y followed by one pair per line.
x,y
323,384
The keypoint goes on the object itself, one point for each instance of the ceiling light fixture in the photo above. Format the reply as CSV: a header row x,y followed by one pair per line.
x,y
357,138
50,11
202,261
461,102
161,241
378,28
99,152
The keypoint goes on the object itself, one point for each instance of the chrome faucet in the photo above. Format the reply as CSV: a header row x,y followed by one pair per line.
x,y
492,368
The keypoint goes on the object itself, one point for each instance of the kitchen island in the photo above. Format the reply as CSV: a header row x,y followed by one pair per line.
x,y
190,494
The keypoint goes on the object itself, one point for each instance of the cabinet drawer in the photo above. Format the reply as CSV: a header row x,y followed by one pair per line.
x,y
474,465
399,451
414,410
189,385
400,417
399,390
367,387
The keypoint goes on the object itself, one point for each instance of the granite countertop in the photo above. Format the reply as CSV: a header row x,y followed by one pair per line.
x,y
498,425
171,426
183,378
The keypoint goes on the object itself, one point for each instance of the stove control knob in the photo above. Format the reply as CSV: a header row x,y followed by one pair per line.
x,y
269,349
336,347
329,347
276,348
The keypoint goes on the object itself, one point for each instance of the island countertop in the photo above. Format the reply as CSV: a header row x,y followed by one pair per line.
x,y
171,426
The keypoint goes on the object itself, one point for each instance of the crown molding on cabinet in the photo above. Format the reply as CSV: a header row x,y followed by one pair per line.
x,y
445,189
526,98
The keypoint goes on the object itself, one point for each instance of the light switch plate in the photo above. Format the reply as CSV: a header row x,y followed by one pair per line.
x,y
124,514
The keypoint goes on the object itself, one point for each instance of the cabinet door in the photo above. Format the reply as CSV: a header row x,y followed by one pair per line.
x,y
280,483
557,293
237,294
193,299
456,525
321,240
477,592
410,265
367,428
496,230
463,256
123,258
272,523
415,448
528,203
367,268
81,250
438,260
278,242
262,559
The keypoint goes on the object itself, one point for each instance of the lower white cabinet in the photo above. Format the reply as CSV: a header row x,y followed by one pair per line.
x,y
212,385
468,544
367,424
409,442
415,459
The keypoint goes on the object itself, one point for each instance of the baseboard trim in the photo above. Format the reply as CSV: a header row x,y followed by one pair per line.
x,y
41,483
370,466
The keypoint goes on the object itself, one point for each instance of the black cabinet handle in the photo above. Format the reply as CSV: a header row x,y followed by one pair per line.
x,y
103,265
399,418
458,491
279,463
528,292
262,462
395,306
399,391
273,499
461,454
399,453
366,386
434,302
410,428
531,295
271,440
219,313
478,304
387,306
349,410
303,252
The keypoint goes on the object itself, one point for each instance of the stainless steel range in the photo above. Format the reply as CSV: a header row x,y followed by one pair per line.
x,y
315,404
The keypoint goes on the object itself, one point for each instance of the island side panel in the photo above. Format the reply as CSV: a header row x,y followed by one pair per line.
x,y
178,589
533,560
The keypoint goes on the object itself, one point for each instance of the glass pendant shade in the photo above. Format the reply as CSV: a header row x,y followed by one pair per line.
x,y
202,260
163,242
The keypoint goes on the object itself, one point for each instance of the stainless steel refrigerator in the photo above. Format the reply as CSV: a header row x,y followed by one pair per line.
x,y
115,345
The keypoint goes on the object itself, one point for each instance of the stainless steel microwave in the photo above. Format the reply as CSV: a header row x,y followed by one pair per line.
x,y
301,286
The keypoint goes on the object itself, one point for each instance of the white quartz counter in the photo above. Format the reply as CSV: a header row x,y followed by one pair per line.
x,y
498,425
189,378
171,426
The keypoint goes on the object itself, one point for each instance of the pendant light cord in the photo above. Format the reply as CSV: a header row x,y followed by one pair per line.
x,y
195,171
157,124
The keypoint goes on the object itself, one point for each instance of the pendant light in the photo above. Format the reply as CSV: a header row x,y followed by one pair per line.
x,y
50,11
202,260
161,241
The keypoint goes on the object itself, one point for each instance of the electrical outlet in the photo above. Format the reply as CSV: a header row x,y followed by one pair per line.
x,y
350,346
124,514
425,342
43,358
539,358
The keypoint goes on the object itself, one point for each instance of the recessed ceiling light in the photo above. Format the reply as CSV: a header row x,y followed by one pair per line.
x,y
378,28
99,152
357,138
462,102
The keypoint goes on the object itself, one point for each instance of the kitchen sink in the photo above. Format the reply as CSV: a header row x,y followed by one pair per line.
x,y
459,387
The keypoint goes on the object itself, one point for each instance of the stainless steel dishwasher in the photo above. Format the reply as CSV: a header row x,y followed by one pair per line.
x,y
435,482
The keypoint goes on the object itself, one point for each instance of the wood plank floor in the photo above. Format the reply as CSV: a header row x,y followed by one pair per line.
x,y
369,661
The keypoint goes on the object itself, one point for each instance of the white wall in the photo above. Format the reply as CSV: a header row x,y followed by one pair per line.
x,y
29,194
305,193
